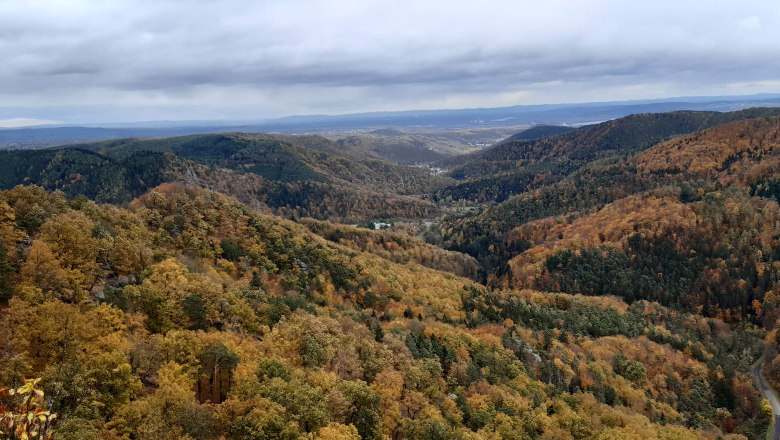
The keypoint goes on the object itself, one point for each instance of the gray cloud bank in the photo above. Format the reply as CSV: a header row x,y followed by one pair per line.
x,y
81,61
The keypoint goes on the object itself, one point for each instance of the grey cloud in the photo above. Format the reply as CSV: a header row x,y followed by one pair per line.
x,y
350,55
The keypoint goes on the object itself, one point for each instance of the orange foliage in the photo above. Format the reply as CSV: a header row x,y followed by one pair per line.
x,y
734,151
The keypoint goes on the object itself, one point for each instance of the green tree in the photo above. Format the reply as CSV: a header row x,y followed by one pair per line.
x,y
273,368
631,369
305,403
195,308
312,352
6,270
364,411
231,249
217,365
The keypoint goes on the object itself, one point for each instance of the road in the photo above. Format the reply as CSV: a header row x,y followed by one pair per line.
x,y
770,395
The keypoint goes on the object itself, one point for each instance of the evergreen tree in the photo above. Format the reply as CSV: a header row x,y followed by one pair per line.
x,y
6,271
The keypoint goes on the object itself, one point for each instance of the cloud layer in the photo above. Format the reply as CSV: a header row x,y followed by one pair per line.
x,y
82,61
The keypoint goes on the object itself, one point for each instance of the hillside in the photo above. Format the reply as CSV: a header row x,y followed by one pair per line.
x,y
395,147
515,166
422,146
744,155
175,288
624,135
540,132
716,256
741,152
282,158
304,176
679,223
398,247
188,315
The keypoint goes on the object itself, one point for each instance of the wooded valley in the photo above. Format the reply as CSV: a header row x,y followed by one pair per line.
x,y
613,281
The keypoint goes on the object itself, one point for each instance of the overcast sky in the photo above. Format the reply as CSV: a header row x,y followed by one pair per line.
x,y
131,60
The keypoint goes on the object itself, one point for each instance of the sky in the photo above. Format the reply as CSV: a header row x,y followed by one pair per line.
x,y
76,61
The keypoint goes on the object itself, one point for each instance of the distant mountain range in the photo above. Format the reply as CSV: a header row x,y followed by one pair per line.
x,y
551,114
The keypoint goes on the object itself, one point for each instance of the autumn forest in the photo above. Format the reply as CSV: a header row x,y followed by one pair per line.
x,y
619,280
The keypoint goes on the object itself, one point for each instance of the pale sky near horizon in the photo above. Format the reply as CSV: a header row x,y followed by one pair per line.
x,y
78,61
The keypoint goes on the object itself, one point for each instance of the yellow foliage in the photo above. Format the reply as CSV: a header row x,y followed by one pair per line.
x,y
753,143
605,227
337,431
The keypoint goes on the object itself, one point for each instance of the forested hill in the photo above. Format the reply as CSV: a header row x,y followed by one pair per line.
x,y
189,315
625,135
623,288
690,222
282,158
515,166
303,176
541,131
397,147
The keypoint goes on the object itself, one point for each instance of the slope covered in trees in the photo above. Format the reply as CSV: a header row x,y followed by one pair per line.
x,y
188,315
717,256
746,156
283,158
743,152
515,166
630,283
541,131
415,145
691,222
303,176
398,247
396,147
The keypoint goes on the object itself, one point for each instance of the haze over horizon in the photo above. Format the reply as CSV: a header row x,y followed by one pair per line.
x,y
119,61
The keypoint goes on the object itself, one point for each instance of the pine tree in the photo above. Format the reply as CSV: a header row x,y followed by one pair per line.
x,y
6,270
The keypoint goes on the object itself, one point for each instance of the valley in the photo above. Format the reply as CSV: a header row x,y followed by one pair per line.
x,y
406,220
616,280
